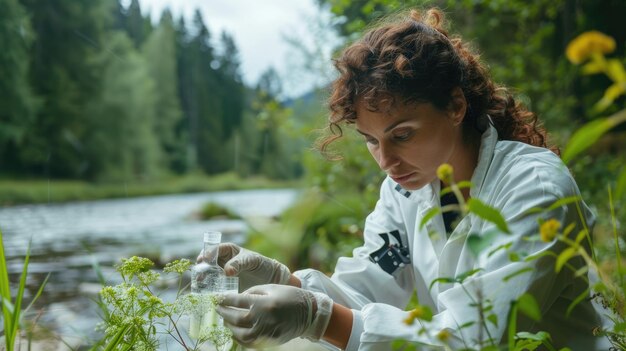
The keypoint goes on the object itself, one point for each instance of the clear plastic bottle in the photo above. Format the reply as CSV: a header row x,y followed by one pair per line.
x,y
206,280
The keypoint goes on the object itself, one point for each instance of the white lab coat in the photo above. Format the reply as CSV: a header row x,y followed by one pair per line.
x,y
510,176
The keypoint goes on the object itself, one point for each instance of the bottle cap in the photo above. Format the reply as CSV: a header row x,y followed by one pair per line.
x,y
213,237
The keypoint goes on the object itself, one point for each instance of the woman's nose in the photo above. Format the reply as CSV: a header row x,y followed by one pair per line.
x,y
387,158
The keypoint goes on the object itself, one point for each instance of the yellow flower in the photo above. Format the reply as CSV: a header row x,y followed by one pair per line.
x,y
549,229
443,335
588,43
410,319
419,312
444,172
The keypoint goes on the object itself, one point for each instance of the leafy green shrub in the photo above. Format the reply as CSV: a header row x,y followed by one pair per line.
x,y
212,210
333,231
589,50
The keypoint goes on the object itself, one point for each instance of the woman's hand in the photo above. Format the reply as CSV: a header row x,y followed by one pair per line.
x,y
252,268
274,314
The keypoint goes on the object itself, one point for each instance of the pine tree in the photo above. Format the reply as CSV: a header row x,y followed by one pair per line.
x,y
205,108
185,129
135,23
159,52
121,139
272,150
64,73
18,104
231,87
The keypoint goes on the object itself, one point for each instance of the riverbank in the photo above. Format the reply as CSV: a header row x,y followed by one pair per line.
x,y
16,192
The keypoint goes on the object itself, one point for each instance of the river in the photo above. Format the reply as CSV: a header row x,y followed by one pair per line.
x,y
67,239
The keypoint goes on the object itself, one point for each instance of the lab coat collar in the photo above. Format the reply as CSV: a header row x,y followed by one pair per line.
x,y
485,155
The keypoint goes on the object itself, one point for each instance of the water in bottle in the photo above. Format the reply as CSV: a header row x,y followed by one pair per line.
x,y
206,280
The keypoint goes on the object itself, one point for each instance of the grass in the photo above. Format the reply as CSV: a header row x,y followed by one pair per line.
x,y
14,192
12,306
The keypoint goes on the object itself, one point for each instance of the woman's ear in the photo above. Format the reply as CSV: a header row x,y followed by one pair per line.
x,y
458,106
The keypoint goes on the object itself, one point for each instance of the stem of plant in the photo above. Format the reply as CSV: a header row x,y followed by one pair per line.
x,y
182,341
512,325
617,248
483,324
459,197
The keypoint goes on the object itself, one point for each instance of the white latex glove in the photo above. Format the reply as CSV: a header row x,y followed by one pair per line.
x,y
252,268
268,315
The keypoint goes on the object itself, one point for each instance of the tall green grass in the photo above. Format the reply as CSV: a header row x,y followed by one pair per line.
x,y
11,307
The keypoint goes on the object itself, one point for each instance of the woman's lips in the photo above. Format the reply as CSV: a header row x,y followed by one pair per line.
x,y
401,179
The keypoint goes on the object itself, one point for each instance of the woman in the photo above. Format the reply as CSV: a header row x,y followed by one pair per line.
x,y
422,99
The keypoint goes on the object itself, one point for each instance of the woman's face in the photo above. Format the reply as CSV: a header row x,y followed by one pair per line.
x,y
410,141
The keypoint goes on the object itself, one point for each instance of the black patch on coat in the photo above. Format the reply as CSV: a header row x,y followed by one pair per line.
x,y
393,254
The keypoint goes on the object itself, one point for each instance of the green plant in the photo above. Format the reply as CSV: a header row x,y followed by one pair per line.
x,y
589,49
11,308
134,316
314,232
212,210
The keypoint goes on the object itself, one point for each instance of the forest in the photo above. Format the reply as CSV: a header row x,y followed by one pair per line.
x,y
96,91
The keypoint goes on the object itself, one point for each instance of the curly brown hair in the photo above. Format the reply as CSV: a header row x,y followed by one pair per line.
x,y
415,60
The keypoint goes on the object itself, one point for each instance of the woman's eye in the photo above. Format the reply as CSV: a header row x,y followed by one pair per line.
x,y
402,136
371,141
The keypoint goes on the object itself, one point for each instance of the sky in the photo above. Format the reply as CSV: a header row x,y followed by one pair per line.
x,y
260,29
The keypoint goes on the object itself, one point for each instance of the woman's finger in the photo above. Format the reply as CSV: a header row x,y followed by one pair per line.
x,y
242,335
250,339
238,300
226,252
243,261
235,316
257,291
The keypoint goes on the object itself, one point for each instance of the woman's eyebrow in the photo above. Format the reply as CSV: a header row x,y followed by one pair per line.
x,y
360,132
393,125
390,127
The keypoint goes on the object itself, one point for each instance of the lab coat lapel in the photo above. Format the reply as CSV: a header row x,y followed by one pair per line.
x,y
485,155
430,239
455,256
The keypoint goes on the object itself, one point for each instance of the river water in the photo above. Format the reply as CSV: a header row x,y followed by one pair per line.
x,y
67,239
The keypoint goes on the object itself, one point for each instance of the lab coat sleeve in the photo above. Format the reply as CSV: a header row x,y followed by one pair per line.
x,y
358,280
